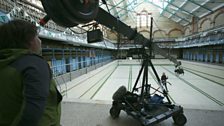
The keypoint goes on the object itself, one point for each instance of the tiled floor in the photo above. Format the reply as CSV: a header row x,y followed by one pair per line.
x,y
201,88
81,113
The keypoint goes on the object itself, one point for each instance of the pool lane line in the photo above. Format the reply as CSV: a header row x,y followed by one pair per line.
x,y
203,73
84,80
203,65
130,78
103,83
205,78
197,89
141,64
96,83
154,78
185,68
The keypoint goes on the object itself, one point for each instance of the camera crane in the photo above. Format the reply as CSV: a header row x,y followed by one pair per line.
x,y
69,13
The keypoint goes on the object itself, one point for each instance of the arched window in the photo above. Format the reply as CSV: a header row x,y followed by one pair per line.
x,y
143,19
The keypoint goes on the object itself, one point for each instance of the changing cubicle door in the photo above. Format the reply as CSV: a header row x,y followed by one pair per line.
x,y
220,56
217,57
206,57
68,62
211,56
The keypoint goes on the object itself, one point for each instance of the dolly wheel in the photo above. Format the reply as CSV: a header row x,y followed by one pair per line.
x,y
179,119
114,112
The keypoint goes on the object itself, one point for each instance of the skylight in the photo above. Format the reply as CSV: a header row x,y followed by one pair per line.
x,y
161,4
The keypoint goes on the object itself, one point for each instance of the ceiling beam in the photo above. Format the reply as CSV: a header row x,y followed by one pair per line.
x,y
200,5
181,8
169,11
132,9
177,9
116,4
164,9
128,5
115,10
124,4
114,7
121,8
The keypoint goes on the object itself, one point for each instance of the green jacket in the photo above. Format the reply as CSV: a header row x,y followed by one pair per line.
x,y
12,97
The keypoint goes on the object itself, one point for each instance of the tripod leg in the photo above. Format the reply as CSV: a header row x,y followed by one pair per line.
x,y
145,78
147,89
139,74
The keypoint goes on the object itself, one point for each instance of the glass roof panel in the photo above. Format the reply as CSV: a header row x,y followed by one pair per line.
x,y
161,3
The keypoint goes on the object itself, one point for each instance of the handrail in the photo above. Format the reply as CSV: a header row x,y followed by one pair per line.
x,y
208,30
26,11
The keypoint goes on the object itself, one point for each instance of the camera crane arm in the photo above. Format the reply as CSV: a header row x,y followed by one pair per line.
x,y
112,22
69,13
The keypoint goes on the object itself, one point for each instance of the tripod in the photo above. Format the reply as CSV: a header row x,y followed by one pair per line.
x,y
145,88
147,109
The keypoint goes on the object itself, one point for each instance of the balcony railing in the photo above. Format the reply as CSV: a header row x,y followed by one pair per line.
x,y
20,10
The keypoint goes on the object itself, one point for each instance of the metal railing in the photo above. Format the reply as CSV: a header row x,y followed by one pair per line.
x,y
61,68
20,10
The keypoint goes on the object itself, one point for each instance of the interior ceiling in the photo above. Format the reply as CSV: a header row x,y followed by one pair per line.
x,y
180,11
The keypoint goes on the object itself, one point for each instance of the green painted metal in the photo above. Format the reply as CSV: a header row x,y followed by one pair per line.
x,y
114,9
124,14
200,5
164,9
180,8
128,5
175,11
117,13
173,14
169,12
132,9
3,19
117,4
